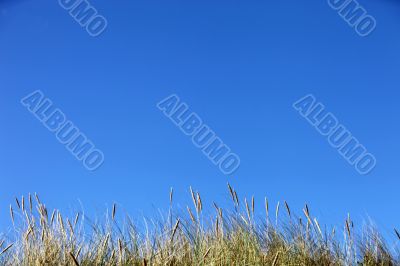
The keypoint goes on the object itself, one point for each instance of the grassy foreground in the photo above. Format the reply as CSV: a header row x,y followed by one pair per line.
x,y
233,237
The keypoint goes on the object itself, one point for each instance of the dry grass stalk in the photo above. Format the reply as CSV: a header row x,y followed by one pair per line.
x,y
252,204
74,260
232,193
397,233
247,209
12,214
176,226
318,227
37,199
30,202
23,203
288,209
348,228
275,262
6,249
52,217
120,249
199,206
236,198
207,252
191,215
277,212
171,195
76,219
193,198
114,210
16,201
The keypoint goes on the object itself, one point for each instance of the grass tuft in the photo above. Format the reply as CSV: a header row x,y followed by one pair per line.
x,y
230,237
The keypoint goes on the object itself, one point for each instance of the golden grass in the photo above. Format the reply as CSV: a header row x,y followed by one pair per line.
x,y
234,237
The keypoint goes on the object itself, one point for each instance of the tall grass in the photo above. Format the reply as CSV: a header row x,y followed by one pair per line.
x,y
230,237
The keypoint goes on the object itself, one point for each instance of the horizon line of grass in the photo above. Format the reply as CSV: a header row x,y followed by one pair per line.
x,y
230,237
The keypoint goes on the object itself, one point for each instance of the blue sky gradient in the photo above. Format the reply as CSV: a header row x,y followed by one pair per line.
x,y
240,65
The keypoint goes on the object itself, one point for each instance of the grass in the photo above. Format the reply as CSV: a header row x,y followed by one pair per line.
x,y
230,237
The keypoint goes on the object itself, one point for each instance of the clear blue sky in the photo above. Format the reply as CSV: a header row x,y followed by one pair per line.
x,y
240,65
